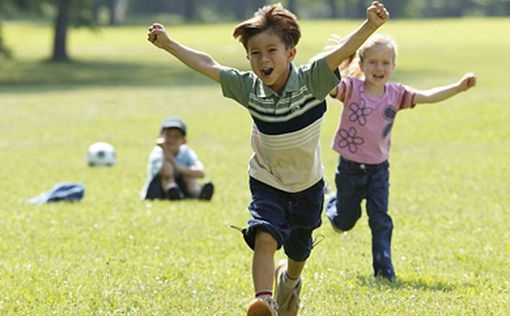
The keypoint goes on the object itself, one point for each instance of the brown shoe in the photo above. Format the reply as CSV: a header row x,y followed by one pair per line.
x,y
287,299
263,306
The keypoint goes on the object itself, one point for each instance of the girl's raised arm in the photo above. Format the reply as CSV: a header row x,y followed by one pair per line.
x,y
444,92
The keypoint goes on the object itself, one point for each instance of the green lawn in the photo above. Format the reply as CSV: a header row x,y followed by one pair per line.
x,y
112,254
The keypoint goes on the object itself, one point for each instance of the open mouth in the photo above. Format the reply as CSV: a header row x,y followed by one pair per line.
x,y
266,72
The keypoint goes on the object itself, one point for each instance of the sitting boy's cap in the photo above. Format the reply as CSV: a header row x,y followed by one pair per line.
x,y
174,122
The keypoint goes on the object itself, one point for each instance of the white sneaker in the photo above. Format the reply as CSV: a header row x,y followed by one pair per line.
x,y
287,299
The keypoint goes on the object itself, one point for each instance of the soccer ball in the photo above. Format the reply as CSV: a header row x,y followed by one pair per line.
x,y
101,154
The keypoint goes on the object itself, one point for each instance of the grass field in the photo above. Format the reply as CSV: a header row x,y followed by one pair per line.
x,y
112,254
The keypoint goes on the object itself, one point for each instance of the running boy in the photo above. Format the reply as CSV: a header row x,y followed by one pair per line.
x,y
287,105
363,137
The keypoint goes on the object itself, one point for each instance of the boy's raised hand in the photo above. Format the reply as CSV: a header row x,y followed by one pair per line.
x,y
157,35
468,81
377,14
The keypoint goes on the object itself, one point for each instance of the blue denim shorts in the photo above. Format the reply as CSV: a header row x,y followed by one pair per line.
x,y
289,217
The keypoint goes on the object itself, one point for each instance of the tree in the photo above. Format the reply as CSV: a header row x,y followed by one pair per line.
x,y
292,6
4,51
69,13
61,27
257,4
190,10
7,7
333,9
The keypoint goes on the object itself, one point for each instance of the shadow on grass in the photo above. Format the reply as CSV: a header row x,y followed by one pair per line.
x,y
416,284
46,76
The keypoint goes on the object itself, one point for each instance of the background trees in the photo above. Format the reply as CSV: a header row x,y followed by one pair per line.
x,y
79,13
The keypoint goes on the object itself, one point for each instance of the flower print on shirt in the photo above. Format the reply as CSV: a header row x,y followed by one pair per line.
x,y
359,112
349,139
389,114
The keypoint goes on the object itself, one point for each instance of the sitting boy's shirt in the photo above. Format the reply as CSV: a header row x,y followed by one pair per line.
x,y
364,133
186,157
286,128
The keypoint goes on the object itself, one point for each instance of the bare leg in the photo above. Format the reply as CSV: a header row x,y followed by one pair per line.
x,y
167,175
192,186
263,261
294,268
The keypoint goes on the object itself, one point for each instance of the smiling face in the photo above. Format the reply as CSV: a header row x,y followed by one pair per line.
x,y
270,59
377,64
172,139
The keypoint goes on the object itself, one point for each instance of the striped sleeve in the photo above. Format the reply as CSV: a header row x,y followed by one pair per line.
x,y
406,98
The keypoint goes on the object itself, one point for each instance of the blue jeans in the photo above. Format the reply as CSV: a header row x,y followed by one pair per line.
x,y
355,182
289,217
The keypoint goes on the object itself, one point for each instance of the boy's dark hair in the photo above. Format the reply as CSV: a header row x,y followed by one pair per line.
x,y
270,17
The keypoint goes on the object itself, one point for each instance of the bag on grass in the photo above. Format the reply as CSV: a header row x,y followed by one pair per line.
x,y
64,191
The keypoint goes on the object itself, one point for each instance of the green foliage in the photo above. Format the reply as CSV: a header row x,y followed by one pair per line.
x,y
114,254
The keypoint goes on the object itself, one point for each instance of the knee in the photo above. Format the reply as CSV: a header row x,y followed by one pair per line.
x,y
380,221
342,222
166,171
265,241
343,225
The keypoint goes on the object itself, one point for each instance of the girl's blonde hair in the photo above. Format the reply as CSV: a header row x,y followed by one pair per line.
x,y
350,66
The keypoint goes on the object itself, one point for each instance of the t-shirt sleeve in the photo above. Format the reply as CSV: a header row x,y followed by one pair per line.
x,y
406,100
188,158
343,89
320,79
154,162
236,84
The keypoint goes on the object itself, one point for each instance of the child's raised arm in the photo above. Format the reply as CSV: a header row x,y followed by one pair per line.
x,y
196,60
444,92
377,15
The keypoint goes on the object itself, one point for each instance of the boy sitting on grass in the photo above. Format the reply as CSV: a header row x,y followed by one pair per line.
x,y
173,168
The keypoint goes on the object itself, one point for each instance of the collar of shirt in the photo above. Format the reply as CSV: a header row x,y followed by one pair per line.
x,y
292,84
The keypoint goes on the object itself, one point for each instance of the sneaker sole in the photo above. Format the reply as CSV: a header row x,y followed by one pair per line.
x,y
207,192
258,308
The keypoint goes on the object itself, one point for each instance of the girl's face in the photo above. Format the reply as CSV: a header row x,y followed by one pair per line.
x,y
270,59
378,64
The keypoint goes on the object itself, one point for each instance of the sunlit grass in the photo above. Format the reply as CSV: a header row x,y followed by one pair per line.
x,y
114,254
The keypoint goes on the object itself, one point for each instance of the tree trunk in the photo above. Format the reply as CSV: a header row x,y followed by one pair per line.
x,y
257,4
117,10
333,9
4,51
361,9
292,6
190,10
239,8
61,27
112,6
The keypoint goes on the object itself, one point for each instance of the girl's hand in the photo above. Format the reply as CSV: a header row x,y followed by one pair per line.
x,y
157,35
377,14
468,81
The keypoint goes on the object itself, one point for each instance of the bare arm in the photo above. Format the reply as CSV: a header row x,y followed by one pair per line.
x,y
193,171
444,92
376,16
196,60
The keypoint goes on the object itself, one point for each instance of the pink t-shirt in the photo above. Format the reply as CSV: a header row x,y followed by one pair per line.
x,y
364,133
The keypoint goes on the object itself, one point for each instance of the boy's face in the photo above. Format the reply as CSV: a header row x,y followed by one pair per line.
x,y
173,139
270,59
